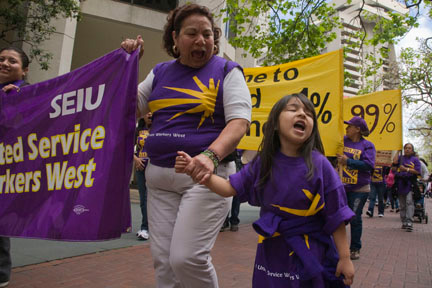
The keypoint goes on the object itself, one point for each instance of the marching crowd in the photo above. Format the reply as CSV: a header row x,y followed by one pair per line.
x,y
186,184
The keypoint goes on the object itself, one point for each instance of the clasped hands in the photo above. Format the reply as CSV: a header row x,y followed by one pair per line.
x,y
342,159
200,167
403,168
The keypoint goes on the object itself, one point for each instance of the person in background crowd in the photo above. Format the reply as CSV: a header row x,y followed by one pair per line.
x,y
232,221
303,203
200,104
422,183
429,186
358,161
378,188
424,170
13,69
407,167
333,161
392,191
141,161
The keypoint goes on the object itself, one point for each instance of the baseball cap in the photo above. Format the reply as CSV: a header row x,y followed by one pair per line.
x,y
359,122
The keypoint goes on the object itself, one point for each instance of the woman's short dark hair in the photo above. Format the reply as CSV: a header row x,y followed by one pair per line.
x,y
412,146
174,23
24,58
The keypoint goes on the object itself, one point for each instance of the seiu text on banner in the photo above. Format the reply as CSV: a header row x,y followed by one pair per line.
x,y
66,150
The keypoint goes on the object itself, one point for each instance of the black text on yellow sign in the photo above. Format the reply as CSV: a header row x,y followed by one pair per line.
x,y
323,115
318,78
382,112
373,110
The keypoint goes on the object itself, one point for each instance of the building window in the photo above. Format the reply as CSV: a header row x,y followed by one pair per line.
x,y
161,5
229,33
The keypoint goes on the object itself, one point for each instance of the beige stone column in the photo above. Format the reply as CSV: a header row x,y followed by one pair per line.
x,y
61,45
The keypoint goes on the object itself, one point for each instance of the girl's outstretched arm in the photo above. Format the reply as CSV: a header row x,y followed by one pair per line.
x,y
345,265
214,182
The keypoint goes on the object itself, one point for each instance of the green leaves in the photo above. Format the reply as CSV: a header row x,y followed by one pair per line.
x,y
29,22
415,74
281,31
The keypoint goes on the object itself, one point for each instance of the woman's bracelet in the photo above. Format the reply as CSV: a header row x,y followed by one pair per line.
x,y
213,156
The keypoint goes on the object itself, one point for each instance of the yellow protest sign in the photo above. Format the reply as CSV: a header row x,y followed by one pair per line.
x,y
382,112
320,78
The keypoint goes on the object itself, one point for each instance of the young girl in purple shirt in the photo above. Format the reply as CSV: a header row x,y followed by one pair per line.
x,y
302,239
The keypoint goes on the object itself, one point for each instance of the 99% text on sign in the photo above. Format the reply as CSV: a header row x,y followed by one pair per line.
x,y
374,111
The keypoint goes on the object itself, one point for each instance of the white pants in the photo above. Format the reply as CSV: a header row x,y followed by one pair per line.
x,y
184,221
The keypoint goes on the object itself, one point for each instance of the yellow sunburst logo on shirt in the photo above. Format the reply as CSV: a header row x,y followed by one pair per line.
x,y
410,165
206,98
312,210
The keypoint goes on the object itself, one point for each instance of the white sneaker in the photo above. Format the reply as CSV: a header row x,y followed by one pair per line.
x,y
4,284
409,227
143,235
138,233
380,215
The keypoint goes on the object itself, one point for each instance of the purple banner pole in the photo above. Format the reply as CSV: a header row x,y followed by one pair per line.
x,y
66,149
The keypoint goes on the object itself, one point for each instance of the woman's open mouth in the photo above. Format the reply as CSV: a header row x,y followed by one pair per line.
x,y
198,54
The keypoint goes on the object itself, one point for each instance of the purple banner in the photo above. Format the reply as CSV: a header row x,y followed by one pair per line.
x,y
66,148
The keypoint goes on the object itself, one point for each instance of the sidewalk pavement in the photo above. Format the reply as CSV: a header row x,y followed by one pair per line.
x,y
391,257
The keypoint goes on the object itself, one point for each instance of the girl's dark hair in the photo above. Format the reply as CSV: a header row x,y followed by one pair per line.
x,y
24,58
175,20
141,123
270,143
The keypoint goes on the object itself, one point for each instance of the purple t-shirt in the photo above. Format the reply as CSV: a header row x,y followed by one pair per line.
x,y
363,150
378,174
187,107
404,178
301,215
141,151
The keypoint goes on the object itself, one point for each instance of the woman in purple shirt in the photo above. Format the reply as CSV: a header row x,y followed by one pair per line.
x,y
13,69
407,167
200,104
358,162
